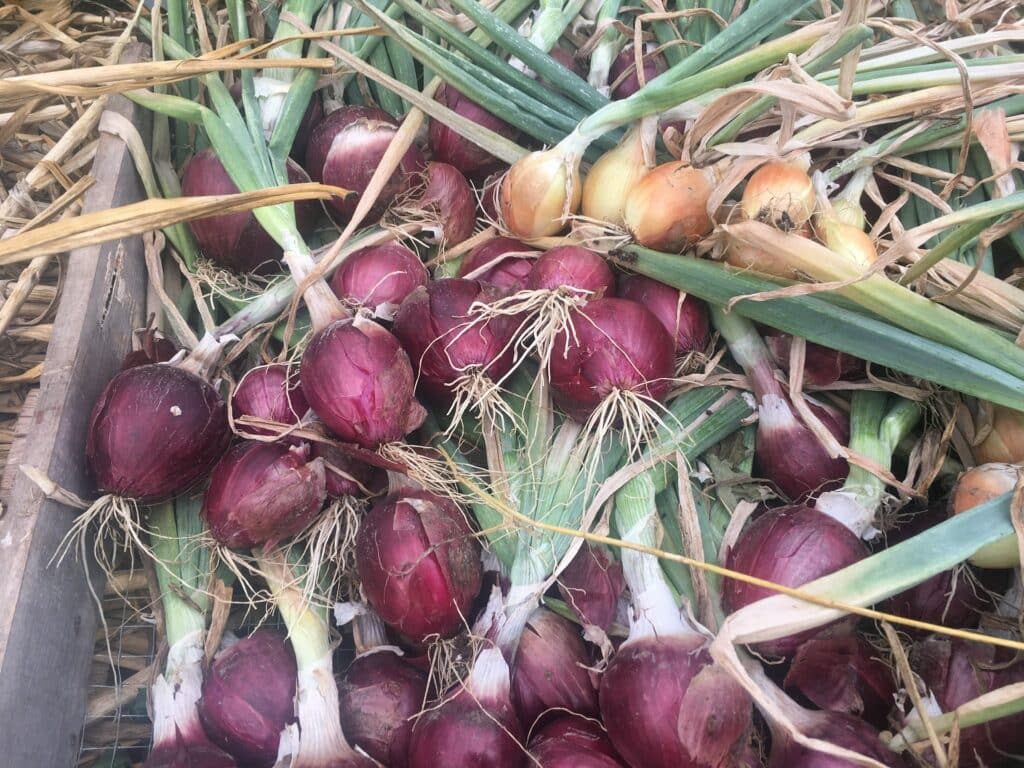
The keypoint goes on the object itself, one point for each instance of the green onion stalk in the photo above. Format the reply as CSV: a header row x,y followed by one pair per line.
x,y
608,47
273,85
549,22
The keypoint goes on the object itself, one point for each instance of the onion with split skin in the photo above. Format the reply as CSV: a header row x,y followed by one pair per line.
x,y
494,262
442,202
268,393
379,278
572,741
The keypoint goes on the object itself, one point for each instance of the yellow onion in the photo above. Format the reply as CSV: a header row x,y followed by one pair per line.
x,y
612,177
539,193
1006,440
976,486
779,194
667,208
846,240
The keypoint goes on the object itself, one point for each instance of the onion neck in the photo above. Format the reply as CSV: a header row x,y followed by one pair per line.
x,y
490,680
527,577
368,631
324,307
204,359
749,350
176,692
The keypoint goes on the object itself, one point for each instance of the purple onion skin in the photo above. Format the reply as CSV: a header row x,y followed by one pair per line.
x,y
666,706
192,752
622,74
380,274
345,149
347,476
686,320
843,674
154,431
153,350
822,366
508,274
467,733
449,147
447,203
312,117
431,324
571,741
379,694
249,697
549,670
790,546
843,730
237,241
270,394
570,266
591,585
618,344
360,382
263,493
419,564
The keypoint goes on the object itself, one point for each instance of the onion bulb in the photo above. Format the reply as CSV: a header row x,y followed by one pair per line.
x,y
456,150
443,203
976,486
379,278
501,262
574,269
539,193
779,194
1005,443
847,241
622,75
843,730
685,317
591,585
571,741
610,180
667,208
268,393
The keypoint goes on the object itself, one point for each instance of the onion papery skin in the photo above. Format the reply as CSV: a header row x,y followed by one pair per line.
x,y
779,194
618,344
539,194
572,267
591,585
841,729
263,493
822,366
624,67
667,208
1005,443
271,394
153,350
449,147
790,546
360,382
571,741
154,431
684,317
790,455
347,476
237,241
666,706
189,752
379,694
549,670
419,564
445,203
843,674
249,697
508,273
444,341
346,148
379,278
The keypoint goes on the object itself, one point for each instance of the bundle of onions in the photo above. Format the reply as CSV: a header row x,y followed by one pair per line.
x,y
572,741
449,147
667,209
379,278
591,585
442,202
267,393
501,261
976,486
684,317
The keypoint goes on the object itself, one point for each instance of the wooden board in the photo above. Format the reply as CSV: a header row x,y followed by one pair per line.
x,y
48,616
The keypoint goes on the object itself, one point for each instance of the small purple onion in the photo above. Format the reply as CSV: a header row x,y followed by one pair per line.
x,y
154,431
444,203
419,564
268,393
249,697
790,546
380,694
839,728
591,585
379,278
237,241
622,76
263,493
572,741
346,475
488,263
573,267
822,366
344,151
684,317
449,147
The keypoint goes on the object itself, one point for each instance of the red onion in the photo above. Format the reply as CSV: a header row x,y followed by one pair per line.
x,y
379,278
449,147
489,263
618,345
249,697
444,203
591,584
347,476
237,241
474,726
622,75
189,751
549,670
822,366
572,267
684,317
445,343
263,493
346,148
154,431
790,546
571,741
312,117
419,563
839,728
152,350
359,381
843,674
268,393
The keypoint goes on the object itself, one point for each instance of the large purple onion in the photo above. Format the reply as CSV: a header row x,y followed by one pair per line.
x,y
445,342
347,476
449,147
684,317
419,563
549,671
591,585
839,728
263,493
622,76
572,267
616,345
268,393
489,263
237,241
344,151
249,697
379,278
666,705
571,741
380,694
359,381
790,546
444,203
154,431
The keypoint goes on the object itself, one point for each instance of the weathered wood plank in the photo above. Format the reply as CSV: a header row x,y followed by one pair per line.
x,y
48,617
